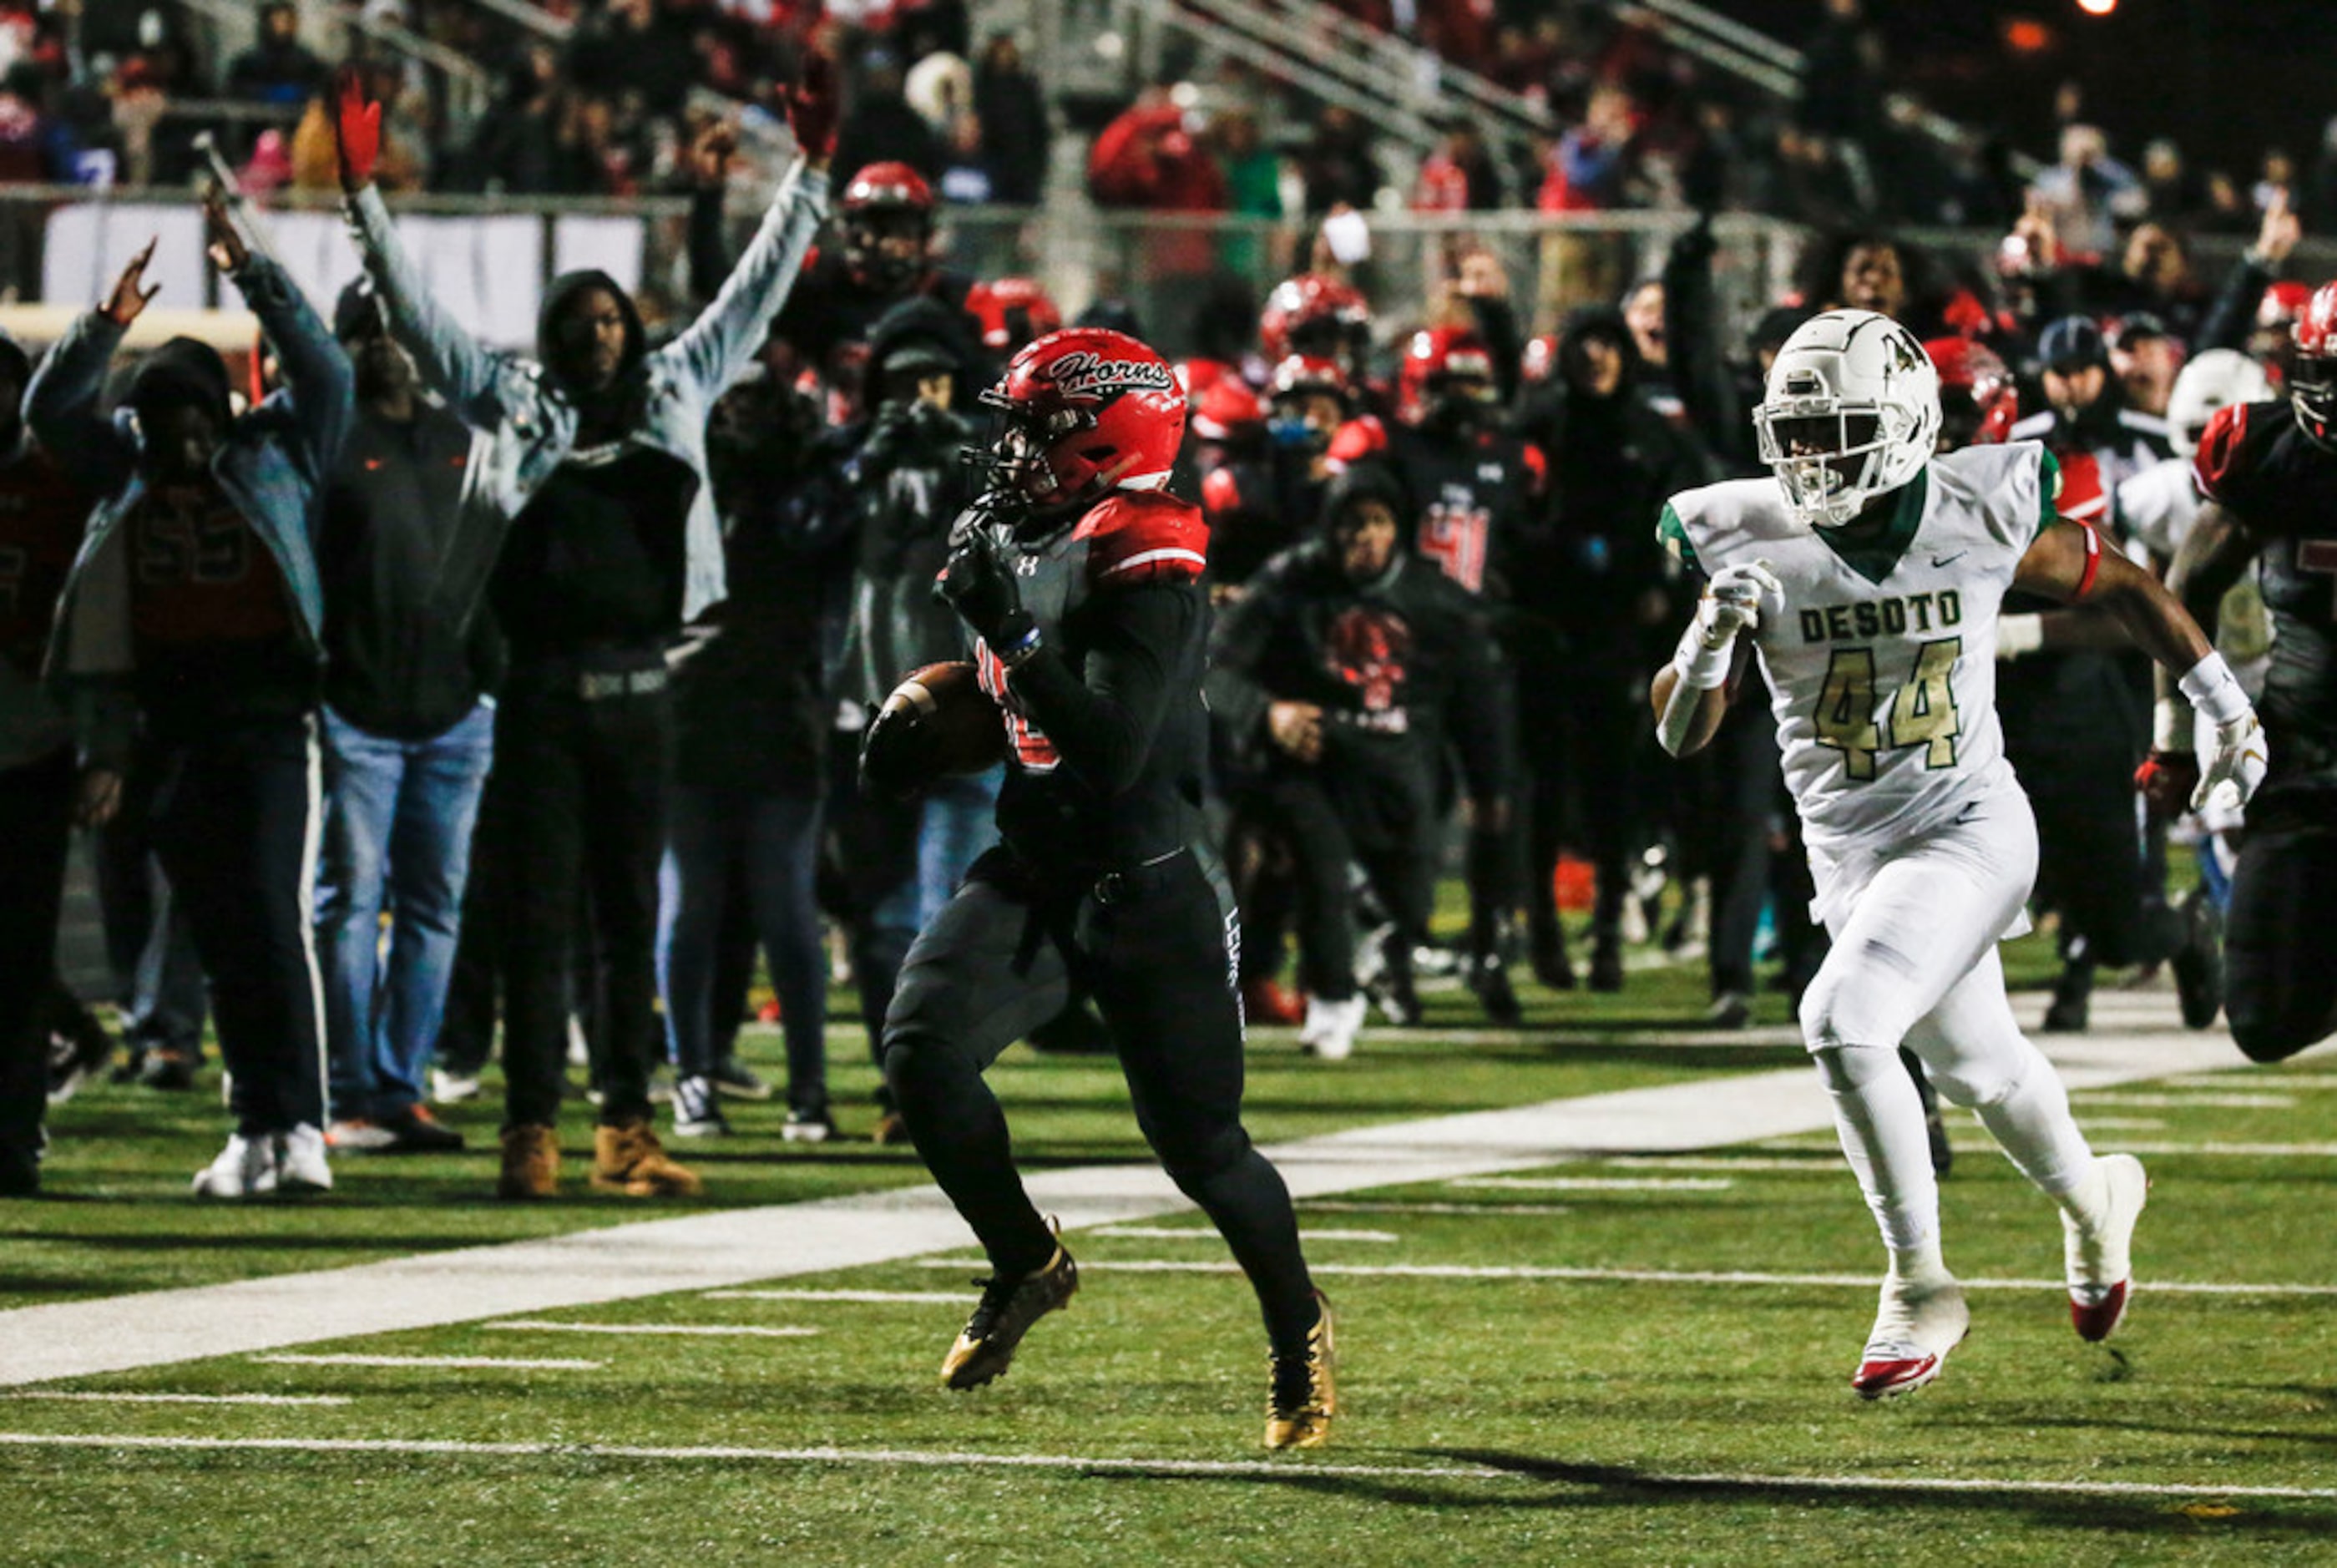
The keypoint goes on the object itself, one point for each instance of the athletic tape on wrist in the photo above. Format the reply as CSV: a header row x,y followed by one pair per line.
x,y
2215,691
1699,666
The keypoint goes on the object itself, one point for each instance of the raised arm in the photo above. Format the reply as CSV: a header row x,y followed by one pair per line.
x,y
450,359
60,400
319,395
728,331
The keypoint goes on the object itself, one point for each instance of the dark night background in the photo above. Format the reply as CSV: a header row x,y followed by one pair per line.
x,y
2225,78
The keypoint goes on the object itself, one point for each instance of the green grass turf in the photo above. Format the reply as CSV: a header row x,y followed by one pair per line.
x,y
1582,1394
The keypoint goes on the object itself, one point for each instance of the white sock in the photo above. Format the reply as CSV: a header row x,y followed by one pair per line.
x,y
2031,1121
1879,1117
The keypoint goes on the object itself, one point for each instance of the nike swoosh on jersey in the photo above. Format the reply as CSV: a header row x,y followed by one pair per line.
x,y
1938,561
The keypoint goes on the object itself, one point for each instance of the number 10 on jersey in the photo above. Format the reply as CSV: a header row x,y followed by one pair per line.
x,y
1921,713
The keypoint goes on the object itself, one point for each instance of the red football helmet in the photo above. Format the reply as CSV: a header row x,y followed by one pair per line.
x,y
1979,402
1316,315
2312,373
1433,362
1229,412
886,202
1016,311
2282,304
1083,412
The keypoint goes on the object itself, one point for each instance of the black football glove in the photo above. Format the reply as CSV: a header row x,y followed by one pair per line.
x,y
980,588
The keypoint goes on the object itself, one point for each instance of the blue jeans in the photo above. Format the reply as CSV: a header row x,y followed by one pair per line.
x,y
399,817
772,841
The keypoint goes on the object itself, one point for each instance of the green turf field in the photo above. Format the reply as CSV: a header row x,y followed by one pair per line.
x,y
1554,1392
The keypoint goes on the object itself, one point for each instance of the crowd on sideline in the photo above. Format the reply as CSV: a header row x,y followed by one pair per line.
x,y
585,642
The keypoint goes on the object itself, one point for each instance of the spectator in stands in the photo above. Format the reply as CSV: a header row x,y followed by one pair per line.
x,y
1842,70
2082,406
881,127
42,514
1014,115
1253,189
408,733
515,146
1588,166
1336,165
201,566
2167,182
2087,190
1460,176
640,47
279,69
2144,357
594,478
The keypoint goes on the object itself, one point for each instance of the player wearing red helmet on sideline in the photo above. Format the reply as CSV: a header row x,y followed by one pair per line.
x,y
1015,311
883,228
1978,399
1078,576
1258,501
2269,471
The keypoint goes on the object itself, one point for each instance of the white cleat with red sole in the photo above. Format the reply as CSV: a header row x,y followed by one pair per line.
x,y
1914,1329
2100,1256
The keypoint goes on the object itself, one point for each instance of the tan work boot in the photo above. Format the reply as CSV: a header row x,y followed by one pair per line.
x,y
530,1162
630,1159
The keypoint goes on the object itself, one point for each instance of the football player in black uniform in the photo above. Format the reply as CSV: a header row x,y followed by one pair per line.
x,y
1338,671
1079,578
2269,471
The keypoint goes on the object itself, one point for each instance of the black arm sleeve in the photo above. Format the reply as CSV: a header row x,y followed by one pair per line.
x,y
1699,365
709,255
1103,725
2233,313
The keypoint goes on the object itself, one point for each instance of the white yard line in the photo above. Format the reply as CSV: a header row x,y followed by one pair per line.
x,y
490,1363
105,1398
712,1250
1336,1206
1599,1183
2147,1286
952,1297
1196,1233
680,1330
1583,1474
2188,1102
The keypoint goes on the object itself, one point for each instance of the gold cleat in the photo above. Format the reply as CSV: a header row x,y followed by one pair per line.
x,y
1300,1399
630,1159
1008,1308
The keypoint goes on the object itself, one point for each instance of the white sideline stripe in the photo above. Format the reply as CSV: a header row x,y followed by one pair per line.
x,y
1599,1183
2189,1102
1829,1163
709,1251
100,1397
1193,1234
1190,1469
870,1296
2270,1078
1334,1206
1641,1276
515,1363
2114,1124
678,1330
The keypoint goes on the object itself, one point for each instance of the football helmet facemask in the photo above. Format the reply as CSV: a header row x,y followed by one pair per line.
x,y
2312,373
1852,413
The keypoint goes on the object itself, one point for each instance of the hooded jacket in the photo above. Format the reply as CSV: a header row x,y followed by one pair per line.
x,y
42,514
1612,462
272,464
526,422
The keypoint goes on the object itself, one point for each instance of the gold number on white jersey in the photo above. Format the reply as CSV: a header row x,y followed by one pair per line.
x,y
1923,712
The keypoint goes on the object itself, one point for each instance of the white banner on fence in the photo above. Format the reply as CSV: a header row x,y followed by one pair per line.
x,y
488,273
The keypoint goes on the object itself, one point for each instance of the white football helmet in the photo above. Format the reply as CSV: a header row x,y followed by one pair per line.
x,y
2216,380
1851,412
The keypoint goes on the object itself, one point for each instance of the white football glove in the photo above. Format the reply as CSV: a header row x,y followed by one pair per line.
x,y
2232,761
1732,603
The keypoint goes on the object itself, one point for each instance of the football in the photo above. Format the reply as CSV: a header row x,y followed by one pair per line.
x,y
937,723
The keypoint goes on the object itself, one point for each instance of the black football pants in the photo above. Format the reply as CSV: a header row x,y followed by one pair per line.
x,y
2280,941
1156,949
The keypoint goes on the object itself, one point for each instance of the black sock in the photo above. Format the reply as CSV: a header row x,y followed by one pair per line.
x,y
1251,1208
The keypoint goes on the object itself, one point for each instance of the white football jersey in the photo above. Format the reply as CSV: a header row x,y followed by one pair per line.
x,y
1882,664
